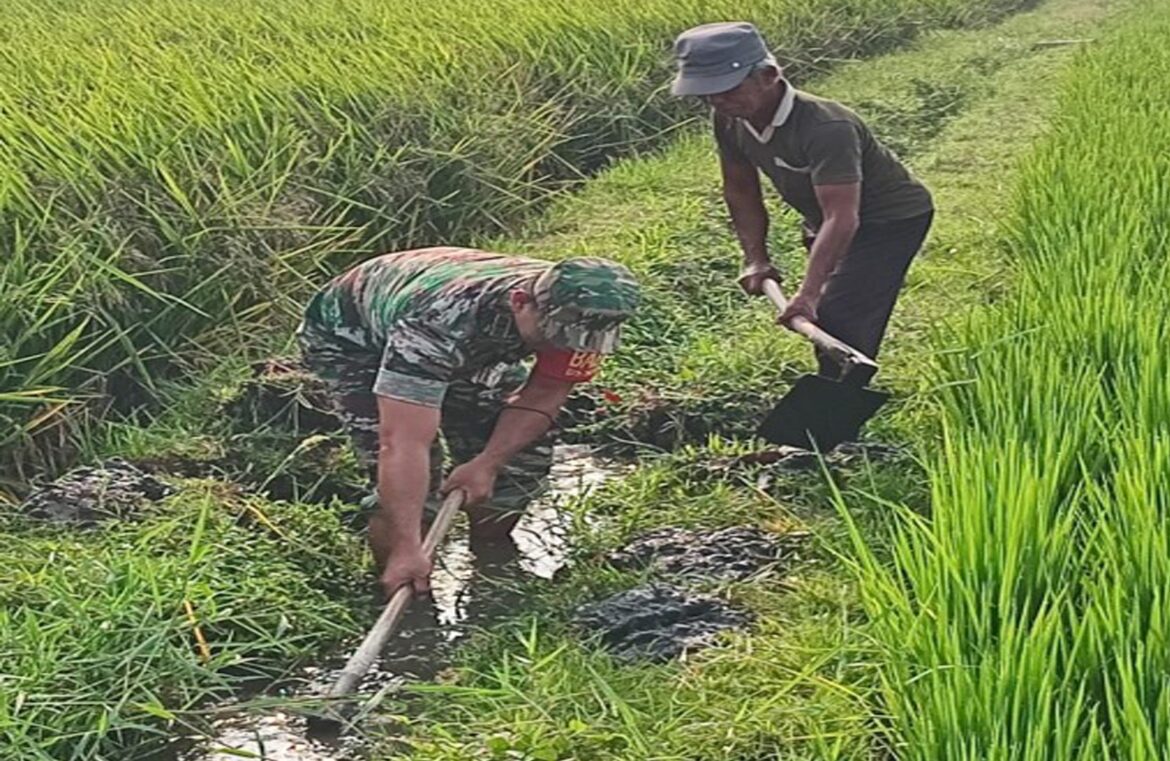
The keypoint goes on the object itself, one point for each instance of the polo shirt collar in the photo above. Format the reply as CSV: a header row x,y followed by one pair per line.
x,y
783,111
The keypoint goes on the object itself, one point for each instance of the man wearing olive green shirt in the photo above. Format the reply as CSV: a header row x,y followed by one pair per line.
x,y
865,215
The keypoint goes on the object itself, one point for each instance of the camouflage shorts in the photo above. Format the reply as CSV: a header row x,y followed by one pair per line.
x,y
469,414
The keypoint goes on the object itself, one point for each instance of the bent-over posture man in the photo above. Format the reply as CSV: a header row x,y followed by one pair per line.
x,y
418,341
865,215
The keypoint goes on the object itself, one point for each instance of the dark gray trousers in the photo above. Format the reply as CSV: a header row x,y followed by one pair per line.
x,y
860,295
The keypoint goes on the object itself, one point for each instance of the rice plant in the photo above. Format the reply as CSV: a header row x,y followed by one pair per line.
x,y
167,168
1026,619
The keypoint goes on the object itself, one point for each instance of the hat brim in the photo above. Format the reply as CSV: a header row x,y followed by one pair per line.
x,y
693,85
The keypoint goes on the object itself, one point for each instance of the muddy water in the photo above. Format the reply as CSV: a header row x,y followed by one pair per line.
x,y
469,590
277,736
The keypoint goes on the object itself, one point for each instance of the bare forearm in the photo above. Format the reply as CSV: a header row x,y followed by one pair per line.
x,y
750,220
526,419
403,483
831,244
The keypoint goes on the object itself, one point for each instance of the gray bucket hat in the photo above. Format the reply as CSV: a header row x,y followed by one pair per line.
x,y
715,58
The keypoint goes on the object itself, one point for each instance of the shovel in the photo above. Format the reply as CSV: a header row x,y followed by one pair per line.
x,y
819,413
332,721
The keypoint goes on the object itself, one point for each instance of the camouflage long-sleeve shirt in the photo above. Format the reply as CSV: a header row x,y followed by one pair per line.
x,y
434,315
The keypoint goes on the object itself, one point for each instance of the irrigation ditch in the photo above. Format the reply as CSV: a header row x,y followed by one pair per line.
x,y
590,636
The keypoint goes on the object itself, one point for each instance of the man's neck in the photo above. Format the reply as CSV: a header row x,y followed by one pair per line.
x,y
766,112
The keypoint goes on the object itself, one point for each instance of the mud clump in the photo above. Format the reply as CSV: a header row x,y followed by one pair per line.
x,y
730,554
627,423
661,621
657,622
85,496
261,464
283,394
669,423
286,439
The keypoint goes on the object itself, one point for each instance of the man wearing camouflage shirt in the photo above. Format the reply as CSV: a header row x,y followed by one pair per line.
x,y
418,341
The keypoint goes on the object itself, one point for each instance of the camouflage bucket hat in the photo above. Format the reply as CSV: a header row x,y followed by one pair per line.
x,y
583,303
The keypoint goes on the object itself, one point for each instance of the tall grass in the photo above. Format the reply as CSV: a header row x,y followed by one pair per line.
x,y
108,638
171,168
1027,618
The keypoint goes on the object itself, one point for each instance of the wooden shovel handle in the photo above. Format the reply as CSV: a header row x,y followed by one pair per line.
x,y
361,660
855,366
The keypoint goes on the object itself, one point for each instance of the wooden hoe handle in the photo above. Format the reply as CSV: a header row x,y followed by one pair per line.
x,y
361,660
855,366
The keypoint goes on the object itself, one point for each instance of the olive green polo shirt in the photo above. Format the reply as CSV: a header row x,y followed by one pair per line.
x,y
813,141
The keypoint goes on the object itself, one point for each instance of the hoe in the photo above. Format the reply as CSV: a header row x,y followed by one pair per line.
x,y
818,412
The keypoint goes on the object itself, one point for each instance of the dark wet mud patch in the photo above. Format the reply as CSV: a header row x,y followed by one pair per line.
x,y
625,425
88,495
665,618
661,421
657,622
730,554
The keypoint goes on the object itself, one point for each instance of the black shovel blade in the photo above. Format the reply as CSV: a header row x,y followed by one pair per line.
x,y
820,413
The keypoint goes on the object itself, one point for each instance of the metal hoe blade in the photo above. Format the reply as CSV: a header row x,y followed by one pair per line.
x,y
820,413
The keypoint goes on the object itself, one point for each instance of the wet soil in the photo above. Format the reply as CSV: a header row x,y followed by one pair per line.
x,y
86,496
665,619
762,467
661,422
730,554
277,466
657,622
282,394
